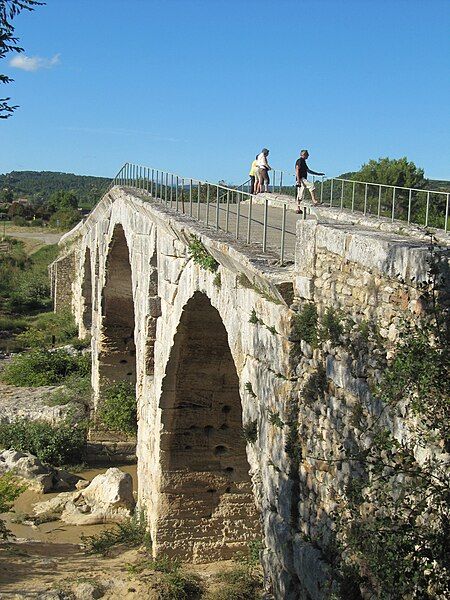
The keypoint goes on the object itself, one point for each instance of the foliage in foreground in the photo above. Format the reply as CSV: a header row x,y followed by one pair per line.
x,y
10,489
119,412
49,328
44,367
130,533
394,527
62,444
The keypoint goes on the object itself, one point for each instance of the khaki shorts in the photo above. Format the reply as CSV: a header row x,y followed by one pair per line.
x,y
263,175
305,184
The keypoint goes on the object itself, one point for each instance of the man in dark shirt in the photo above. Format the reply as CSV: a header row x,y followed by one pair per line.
x,y
301,175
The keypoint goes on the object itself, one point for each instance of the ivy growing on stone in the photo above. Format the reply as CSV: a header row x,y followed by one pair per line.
x,y
201,256
306,325
393,524
250,431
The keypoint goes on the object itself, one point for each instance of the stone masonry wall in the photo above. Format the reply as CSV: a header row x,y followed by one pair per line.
x,y
208,340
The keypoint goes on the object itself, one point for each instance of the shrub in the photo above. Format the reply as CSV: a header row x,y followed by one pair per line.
x,y
10,489
305,325
119,412
201,256
331,326
239,584
44,367
76,388
50,328
132,532
65,219
62,444
250,431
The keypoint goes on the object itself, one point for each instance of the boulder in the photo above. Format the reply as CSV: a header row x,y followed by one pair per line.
x,y
41,477
27,467
107,499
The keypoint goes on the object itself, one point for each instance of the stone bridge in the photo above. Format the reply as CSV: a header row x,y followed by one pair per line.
x,y
239,405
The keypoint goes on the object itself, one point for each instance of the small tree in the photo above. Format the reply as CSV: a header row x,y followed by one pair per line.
x,y
392,171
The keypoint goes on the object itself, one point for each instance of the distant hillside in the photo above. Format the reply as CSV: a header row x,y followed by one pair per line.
x,y
38,185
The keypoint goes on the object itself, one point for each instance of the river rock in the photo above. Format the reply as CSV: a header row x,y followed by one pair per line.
x,y
107,499
41,477
29,467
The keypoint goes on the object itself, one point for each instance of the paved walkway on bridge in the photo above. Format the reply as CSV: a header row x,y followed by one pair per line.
x,y
234,220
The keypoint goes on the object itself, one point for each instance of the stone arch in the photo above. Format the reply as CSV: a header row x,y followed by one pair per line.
x,y
87,293
117,350
208,508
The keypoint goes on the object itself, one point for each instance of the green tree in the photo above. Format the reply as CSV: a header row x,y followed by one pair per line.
x,y
62,200
8,42
392,171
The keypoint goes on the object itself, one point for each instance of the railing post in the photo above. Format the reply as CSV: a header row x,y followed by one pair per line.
x,y
342,194
283,233
365,198
207,204
165,189
151,182
446,212
227,215
281,182
217,208
331,192
393,203
379,200
353,196
427,209
238,213
176,196
249,223
266,209
171,189
409,205
182,195
199,189
190,197
321,191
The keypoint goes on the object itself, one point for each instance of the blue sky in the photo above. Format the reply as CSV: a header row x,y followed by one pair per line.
x,y
199,86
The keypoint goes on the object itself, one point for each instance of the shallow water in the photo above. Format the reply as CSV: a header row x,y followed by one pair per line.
x,y
57,532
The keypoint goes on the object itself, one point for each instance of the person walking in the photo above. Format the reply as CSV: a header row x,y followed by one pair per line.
x,y
254,176
301,175
263,170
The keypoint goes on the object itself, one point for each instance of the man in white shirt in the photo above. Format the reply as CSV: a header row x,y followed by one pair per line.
x,y
263,170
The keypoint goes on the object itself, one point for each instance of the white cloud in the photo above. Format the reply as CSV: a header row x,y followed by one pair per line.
x,y
33,63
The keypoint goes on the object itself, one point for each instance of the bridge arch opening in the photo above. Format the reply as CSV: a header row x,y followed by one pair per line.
x,y
118,350
86,293
209,509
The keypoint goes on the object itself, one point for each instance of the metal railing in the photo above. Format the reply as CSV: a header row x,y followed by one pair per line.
x,y
231,210
278,181
428,208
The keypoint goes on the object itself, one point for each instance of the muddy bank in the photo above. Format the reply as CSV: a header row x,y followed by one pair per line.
x,y
55,532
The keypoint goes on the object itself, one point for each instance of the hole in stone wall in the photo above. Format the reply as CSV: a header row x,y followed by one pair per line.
x,y
224,427
226,409
220,450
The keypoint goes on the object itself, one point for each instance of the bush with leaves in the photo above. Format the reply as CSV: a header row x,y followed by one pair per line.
x,y
119,411
393,524
58,445
45,367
